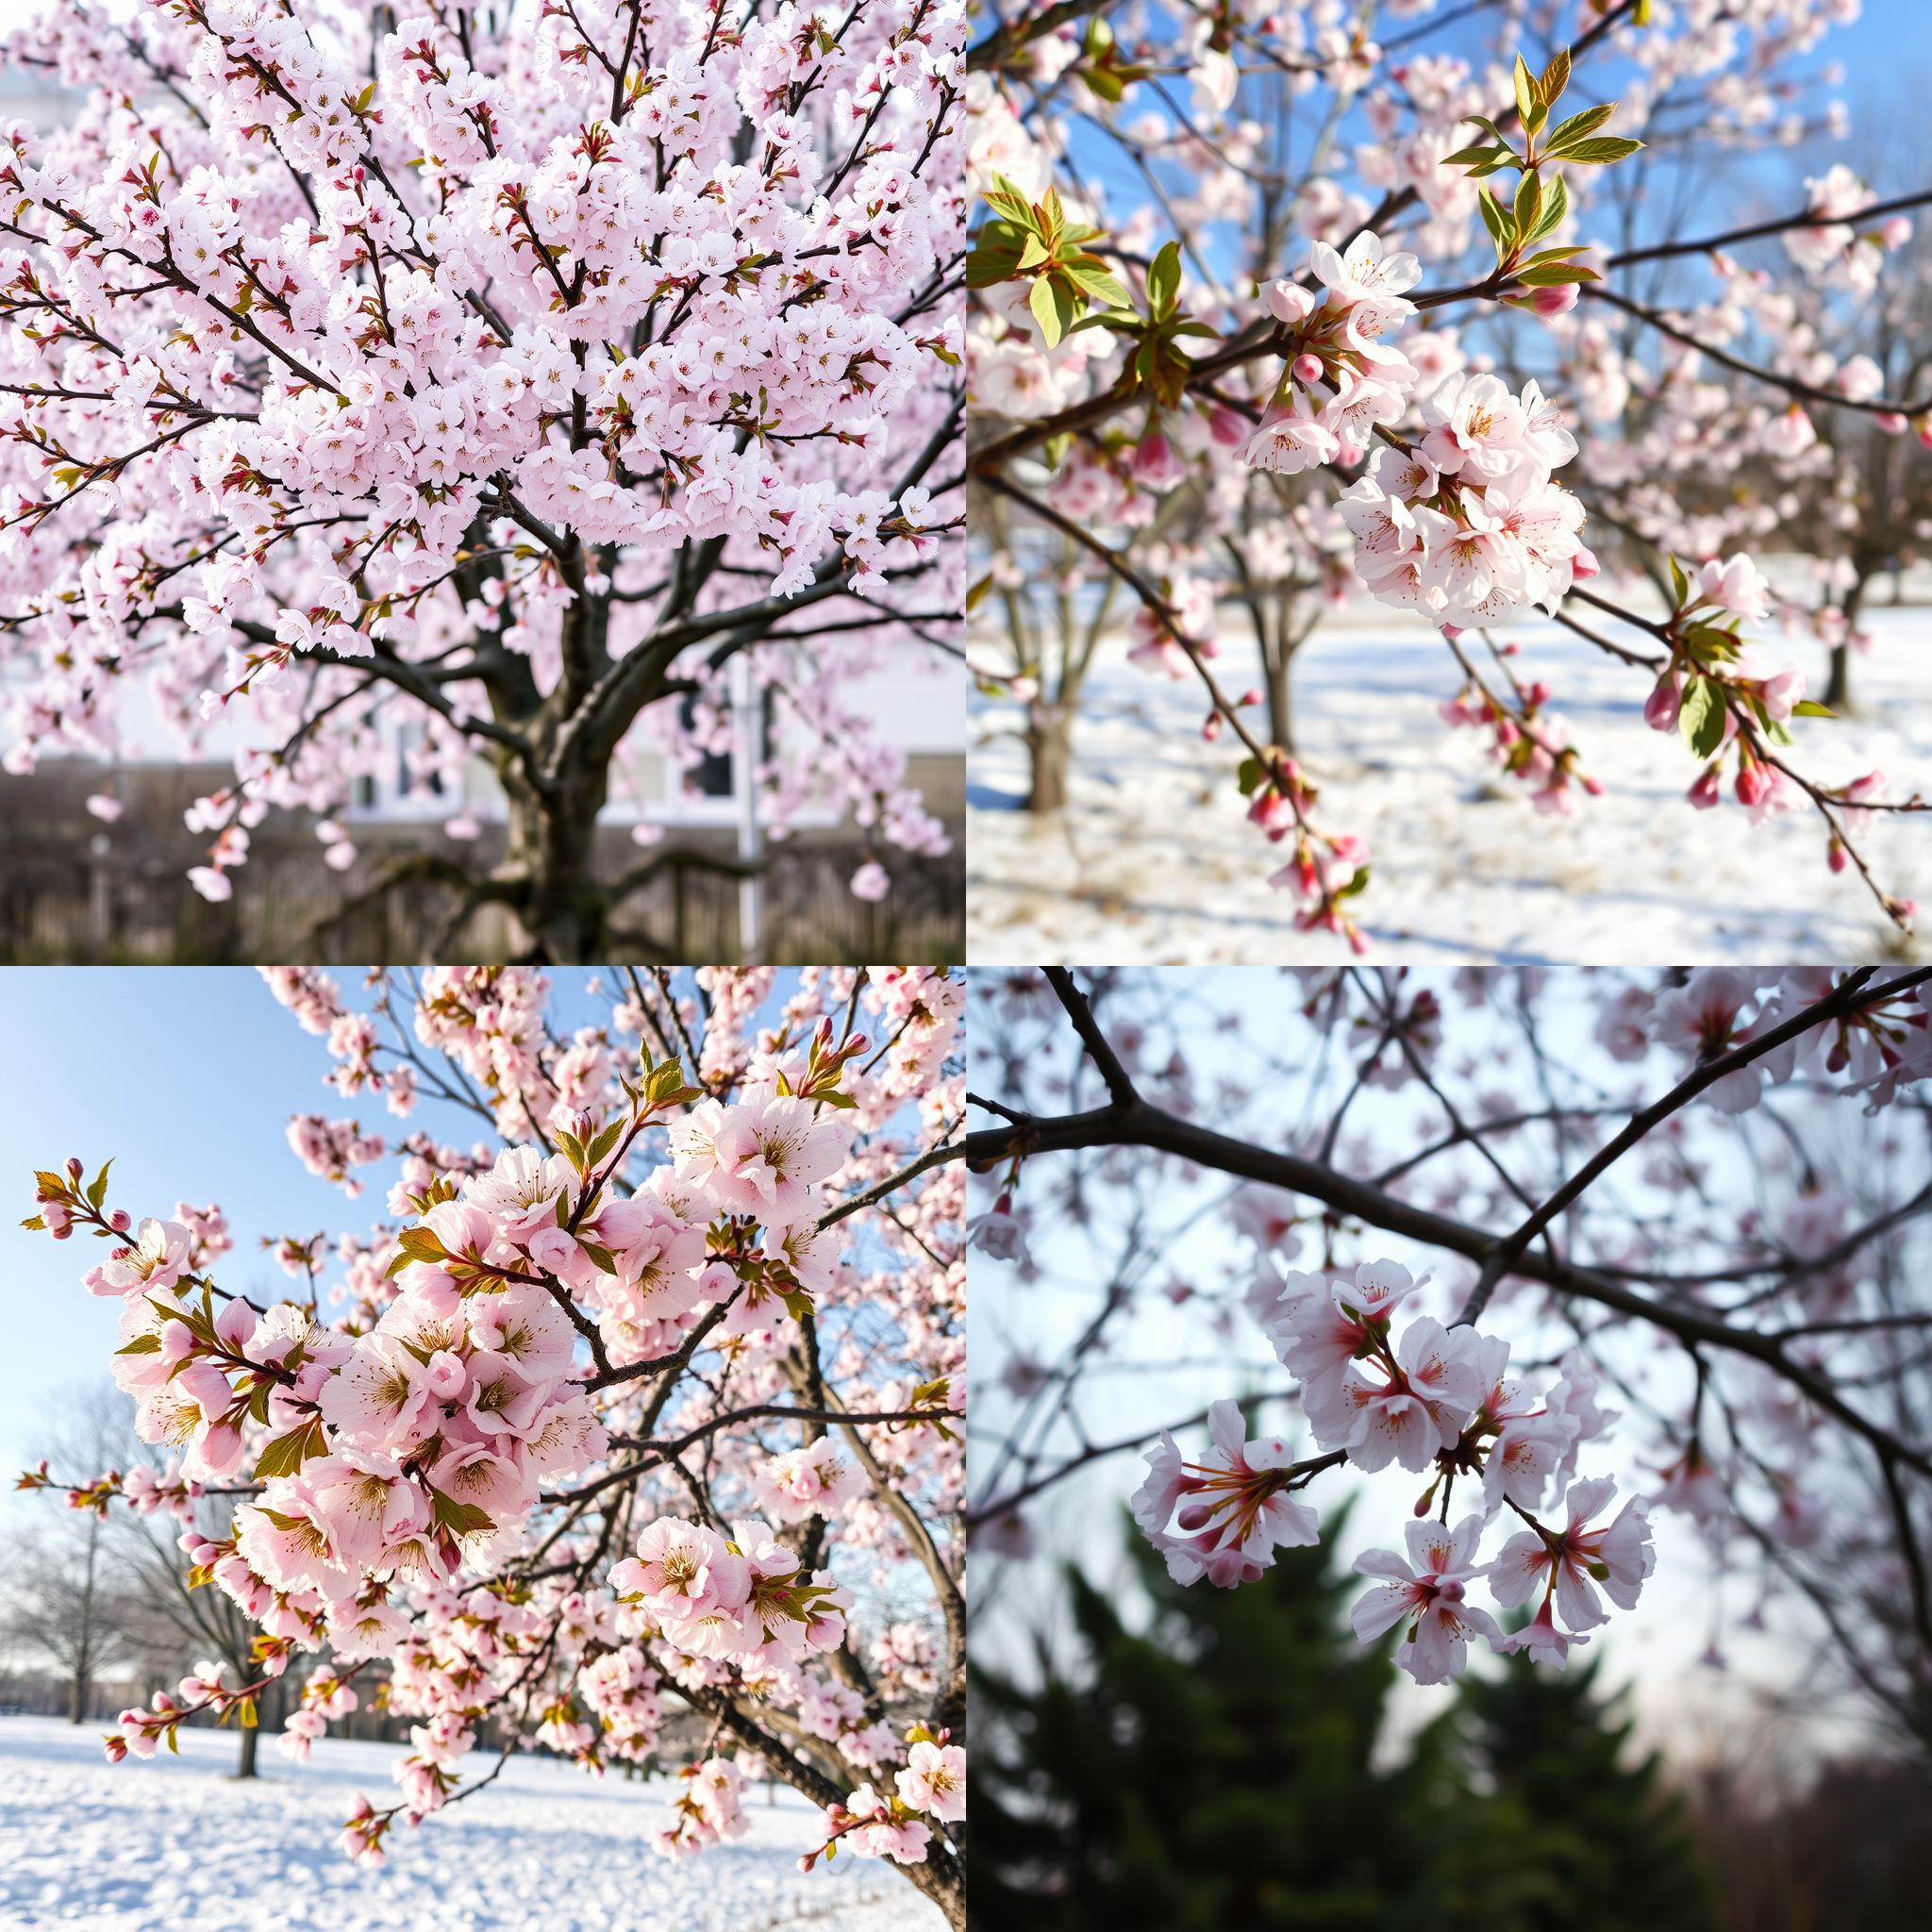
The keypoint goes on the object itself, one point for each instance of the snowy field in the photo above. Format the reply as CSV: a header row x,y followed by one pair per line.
x,y
1154,863
177,1843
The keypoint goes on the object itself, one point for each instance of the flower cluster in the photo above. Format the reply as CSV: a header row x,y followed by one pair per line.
x,y
420,1496
368,374
1431,1399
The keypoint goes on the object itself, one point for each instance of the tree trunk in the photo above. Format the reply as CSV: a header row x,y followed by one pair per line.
x,y
1280,674
77,1696
559,914
245,1767
1048,752
1838,687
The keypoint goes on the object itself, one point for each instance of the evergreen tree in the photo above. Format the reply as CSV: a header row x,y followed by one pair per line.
x,y
1215,1772
1574,1833
1218,1771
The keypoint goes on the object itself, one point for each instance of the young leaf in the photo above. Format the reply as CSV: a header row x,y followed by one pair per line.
x,y
1165,279
1045,305
286,1455
1601,151
1554,78
1525,94
1577,126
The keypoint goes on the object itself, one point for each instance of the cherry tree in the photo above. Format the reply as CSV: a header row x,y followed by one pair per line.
x,y
1543,1258
1362,249
484,380
630,1428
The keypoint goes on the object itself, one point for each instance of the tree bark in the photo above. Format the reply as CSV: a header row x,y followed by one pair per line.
x,y
245,1765
559,914
1838,687
1049,751
77,1696
1280,673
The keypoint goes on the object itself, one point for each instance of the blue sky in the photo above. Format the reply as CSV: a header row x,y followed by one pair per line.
x,y
186,1076
1885,59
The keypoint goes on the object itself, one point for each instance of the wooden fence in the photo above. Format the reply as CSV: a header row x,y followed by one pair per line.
x,y
75,892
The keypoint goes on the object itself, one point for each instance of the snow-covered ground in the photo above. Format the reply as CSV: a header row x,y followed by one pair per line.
x,y
1153,861
177,1843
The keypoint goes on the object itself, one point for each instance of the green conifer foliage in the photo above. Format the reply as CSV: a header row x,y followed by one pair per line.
x,y
1223,1767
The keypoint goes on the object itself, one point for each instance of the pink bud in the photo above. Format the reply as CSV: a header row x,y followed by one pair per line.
x,y
1211,730
1308,368
74,1168
1451,631
1584,564
1704,793
1228,428
1247,697
1287,301
119,1220
1889,423
1896,232
1754,782
1665,701
1559,299
1836,856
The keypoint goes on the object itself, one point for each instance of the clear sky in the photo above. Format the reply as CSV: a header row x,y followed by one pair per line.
x,y
188,1077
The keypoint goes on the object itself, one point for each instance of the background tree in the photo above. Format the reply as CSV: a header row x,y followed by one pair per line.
x,y
1208,1760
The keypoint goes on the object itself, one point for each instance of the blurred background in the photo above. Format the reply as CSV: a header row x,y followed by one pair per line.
x,y
1146,1755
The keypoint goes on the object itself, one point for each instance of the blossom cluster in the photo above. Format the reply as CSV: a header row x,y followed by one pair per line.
x,y
354,354
1431,1399
419,1495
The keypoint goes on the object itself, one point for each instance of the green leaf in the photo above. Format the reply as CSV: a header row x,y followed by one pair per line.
x,y
286,1455
459,1519
1466,157
1554,78
977,592
601,1257
1556,205
1249,775
97,1187
1578,125
1526,95
1601,152
1681,584
1551,275
1165,279
1103,81
1809,707
142,1344
1100,284
1050,311
1529,205
1701,717
1494,219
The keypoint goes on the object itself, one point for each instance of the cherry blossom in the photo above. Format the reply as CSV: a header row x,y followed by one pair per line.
x,y
655,1290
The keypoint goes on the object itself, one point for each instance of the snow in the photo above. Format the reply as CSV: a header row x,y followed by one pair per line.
x,y
1154,863
176,1843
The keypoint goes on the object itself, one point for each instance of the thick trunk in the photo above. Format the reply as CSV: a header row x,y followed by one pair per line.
x,y
245,1767
76,1697
1048,751
560,915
